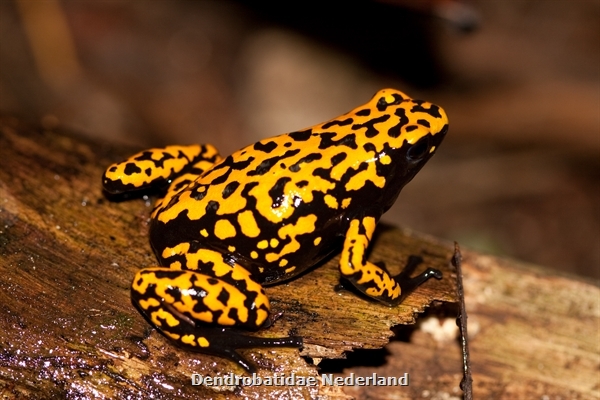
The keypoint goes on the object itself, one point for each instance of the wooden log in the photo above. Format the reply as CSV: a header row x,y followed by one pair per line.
x,y
68,329
68,257
533,335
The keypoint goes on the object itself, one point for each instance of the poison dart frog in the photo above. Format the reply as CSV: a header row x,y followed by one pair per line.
x,y
227,226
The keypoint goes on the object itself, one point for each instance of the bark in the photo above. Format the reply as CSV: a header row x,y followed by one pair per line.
x,y
68,329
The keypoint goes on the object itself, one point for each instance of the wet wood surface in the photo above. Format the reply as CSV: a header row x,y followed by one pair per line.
x,y
68,329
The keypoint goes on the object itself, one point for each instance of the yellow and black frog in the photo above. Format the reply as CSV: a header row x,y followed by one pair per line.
x,y
266,213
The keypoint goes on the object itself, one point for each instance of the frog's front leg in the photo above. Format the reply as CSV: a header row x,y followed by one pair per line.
x,y
194,307
369,278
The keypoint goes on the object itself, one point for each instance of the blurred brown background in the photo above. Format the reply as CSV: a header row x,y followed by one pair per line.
x,y
520,79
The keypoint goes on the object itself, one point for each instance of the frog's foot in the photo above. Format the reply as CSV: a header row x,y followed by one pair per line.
x,y
273,316
198,311
408,285
372,279
224,342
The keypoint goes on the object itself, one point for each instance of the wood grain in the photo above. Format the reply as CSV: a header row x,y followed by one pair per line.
x,y
68,329
68,254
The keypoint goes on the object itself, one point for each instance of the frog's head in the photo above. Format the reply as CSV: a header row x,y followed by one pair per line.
x,y
418,124
412,132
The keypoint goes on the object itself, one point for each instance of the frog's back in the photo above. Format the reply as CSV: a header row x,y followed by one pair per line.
x,y
278,206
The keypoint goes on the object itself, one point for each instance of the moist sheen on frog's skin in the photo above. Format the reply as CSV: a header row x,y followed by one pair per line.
x,y
270,211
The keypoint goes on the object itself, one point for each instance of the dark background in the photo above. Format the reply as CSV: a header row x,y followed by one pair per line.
x,y
520,80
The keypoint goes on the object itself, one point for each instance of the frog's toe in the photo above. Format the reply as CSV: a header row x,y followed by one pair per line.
x,y
238,340
224,342
408,285
239,360
273,316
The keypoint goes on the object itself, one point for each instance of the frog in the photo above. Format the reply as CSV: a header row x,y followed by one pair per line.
x,y
227,227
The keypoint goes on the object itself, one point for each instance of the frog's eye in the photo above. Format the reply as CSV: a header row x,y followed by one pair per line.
x,y
419,150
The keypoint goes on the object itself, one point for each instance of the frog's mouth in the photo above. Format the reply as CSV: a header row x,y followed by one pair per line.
x,y
410,158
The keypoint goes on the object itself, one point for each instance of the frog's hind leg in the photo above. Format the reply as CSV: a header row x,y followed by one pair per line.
x,y
369,278
195,307
171,167
182,181
159,167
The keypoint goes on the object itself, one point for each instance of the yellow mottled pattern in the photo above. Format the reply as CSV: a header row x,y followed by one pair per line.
x,y
116,172
151,302
205,284
181,183
331,201
291,192
302,226
385,159
234,204
352,261
184,203
181,248
224,229
172,335
291,183
248,224
189,339
161,315
219,267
